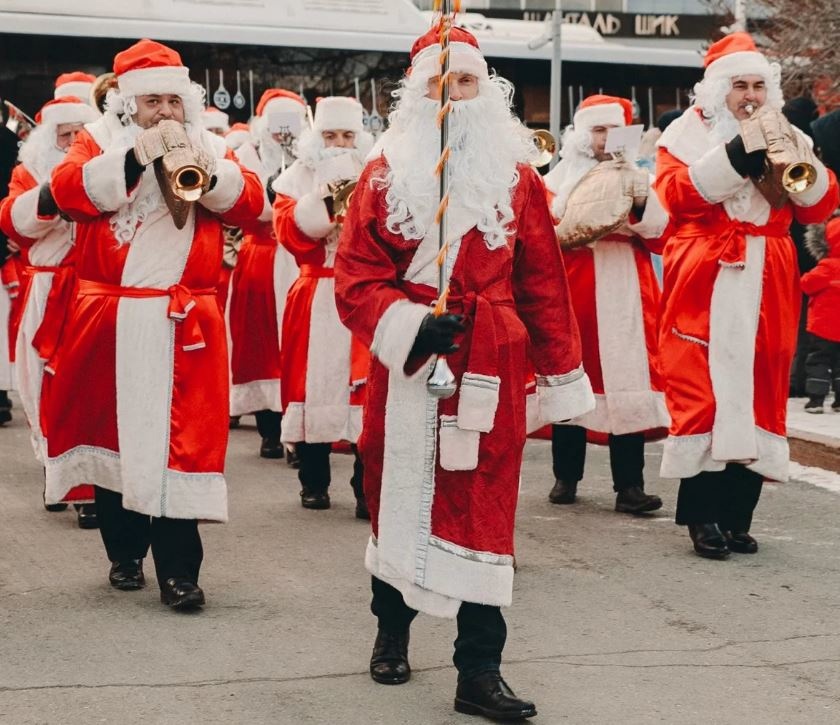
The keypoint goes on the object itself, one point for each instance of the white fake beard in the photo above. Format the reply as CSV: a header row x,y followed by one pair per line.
x,y
487,143
312,151
273,156
724,126
577,160
39,154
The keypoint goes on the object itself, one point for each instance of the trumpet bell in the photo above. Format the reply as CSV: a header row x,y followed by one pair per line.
x,y
799,177
546,146
189,182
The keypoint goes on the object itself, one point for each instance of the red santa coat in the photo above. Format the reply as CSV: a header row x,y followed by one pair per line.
x,y
822,285
140,396
442,477
47,254
730,306
323,370
261,280
615,296
10,307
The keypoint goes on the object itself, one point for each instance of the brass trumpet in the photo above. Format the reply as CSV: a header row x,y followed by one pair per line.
x,y
342,193
788,168
546,146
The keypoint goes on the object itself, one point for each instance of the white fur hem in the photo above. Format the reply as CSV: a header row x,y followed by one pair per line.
x,y
25,217
477,401
255,395
395,334
713,176
813,196
321,423
103,178
562,397
311,216
626,412
228,188
686,456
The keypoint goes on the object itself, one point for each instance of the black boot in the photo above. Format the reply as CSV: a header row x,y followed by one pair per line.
x,y
741,542
181,594
5,407
634,500
312,499
489,695
271,447
709,541
53,507
564,492
815,404
86,516
127,575
389,660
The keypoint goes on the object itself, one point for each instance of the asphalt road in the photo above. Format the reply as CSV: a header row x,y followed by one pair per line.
x,y
614,619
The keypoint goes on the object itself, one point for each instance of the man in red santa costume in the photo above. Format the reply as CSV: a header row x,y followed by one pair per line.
x,y
615,295
731,298
139,399
215,121
263,274
442,475
76,84
323,367
30,218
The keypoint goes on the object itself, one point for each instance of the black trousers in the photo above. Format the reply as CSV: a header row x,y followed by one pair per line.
x,y
314,473
822,367
627,456
481,629
176,544
268,424
727,498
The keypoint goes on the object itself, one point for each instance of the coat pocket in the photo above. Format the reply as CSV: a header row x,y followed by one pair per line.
x,y
477,402
458,447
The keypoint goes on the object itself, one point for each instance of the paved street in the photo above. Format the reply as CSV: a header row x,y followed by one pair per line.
x,y
614,619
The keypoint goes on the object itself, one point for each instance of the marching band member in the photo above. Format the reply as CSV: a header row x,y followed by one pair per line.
x,y
323,367
442,476
215,121
731,295
615,296
139,399
30,218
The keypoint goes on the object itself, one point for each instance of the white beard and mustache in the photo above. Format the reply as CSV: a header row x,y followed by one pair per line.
x,y
487,143
311,150
39,154
577,160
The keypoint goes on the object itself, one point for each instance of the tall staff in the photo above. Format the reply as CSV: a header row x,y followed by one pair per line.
x,y
441,382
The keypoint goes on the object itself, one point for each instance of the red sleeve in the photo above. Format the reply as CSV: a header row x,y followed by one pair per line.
x,y
237,197
675,189
289,234
68,185
20,183
823,209
816,280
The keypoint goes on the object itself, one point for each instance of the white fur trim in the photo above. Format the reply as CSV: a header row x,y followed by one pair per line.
x,y
103,178
814,195
603,114
562,397
6,368
458,447
79,89
713,176
626,412
654,219
733,325
311,216
532,411
255,395
740,63
235,139
478,398
687,138
395,334
230,184
338,113
215,119
174,79
686,456
463,58
283,105
68,113
25,217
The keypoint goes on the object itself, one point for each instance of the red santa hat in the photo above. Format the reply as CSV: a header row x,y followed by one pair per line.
x,y
68,109
338,113
735,55
148,67
212,117
600,110
74,84
279,99
464,54
238,134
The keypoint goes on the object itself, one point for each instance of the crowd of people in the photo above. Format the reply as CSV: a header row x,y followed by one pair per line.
x,y
167,274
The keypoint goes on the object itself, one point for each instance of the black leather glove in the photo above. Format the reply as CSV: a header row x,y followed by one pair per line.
x,y
269,191
746,164
133,170
437,334
46,203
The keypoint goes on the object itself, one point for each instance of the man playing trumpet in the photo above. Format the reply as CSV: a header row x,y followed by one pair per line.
x,y
140,396
615,296
731,300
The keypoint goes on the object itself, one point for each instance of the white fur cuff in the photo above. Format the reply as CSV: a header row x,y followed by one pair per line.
x,y
477,402
395,334
311,216
25,217
713,176
562,397
228,188
814,195
104,180
654,219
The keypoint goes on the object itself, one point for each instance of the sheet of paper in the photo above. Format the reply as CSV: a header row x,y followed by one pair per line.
x,y
624,140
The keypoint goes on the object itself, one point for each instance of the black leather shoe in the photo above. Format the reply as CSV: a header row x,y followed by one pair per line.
x,y
233,422
314,499
86,516
489,695
127,575
271,448
741,542
709,541
564,492
634,500
292,459
389,661
181,594
362,509
5,416
53,507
